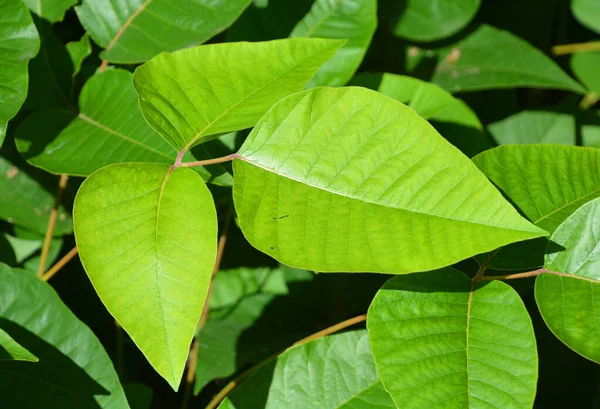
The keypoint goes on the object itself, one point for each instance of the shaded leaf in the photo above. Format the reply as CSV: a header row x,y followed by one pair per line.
x,y
193,95
439,341
433,20
10,350
51,10
535,127
139,395
568,301
485,60
146,236
335,372
15,53
590,130
79,51
133,31
585,66
332,179
86,378
351,20
587,12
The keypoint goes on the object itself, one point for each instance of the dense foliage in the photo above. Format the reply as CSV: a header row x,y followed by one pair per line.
x,y
179,179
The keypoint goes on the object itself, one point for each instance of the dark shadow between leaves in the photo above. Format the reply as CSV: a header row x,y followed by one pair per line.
x,y
53,381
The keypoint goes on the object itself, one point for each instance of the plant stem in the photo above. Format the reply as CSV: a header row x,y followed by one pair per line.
x,y
515,276
103,66
327,331
209,161
60,264
484,266
576,48
62,184
588,101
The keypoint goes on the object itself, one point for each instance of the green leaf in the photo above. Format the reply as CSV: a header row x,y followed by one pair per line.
x,y
439,341
26,200
434,20
585,66
335,372
485,59
527,127
450,116
590,129
332,179
193,95
15,52
73,372
109,129
79,51
354,20
51,10
146,236
546,182
19,249
133,31
10,350
587,12
568,300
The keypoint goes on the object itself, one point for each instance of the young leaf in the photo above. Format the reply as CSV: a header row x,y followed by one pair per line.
x,y
439,341
528,127
568,301
146,235
335,372
79,51
26,200
109,129
10,350
486,60
346,179
546,182
434,20
133,31
585,66
51,10
19,42
587,12
354,20
450,116
193,95
66,376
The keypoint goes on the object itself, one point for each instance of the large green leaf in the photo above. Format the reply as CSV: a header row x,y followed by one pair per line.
x,y
546,182
346,179
19,42
569,301
73,371
585,66
109,129
433,20
27,199
354,20
439,341
133,31
485,60
335,372
535,127
453,119
51,10
146,235
10,350
587,12
191,96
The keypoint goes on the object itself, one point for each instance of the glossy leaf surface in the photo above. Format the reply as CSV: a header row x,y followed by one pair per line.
x,y
569,302
351,20
50,331
15,52
146,236
335,372
485,60
133,31
10,350
438,342
79,51
433,20
191,96
347,159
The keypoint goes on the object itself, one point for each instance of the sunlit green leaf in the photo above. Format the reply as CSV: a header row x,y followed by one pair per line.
x,y
333,179
353,20
335,372
73,371
133,31
439,341
193,95
10,350
146,236
52,10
